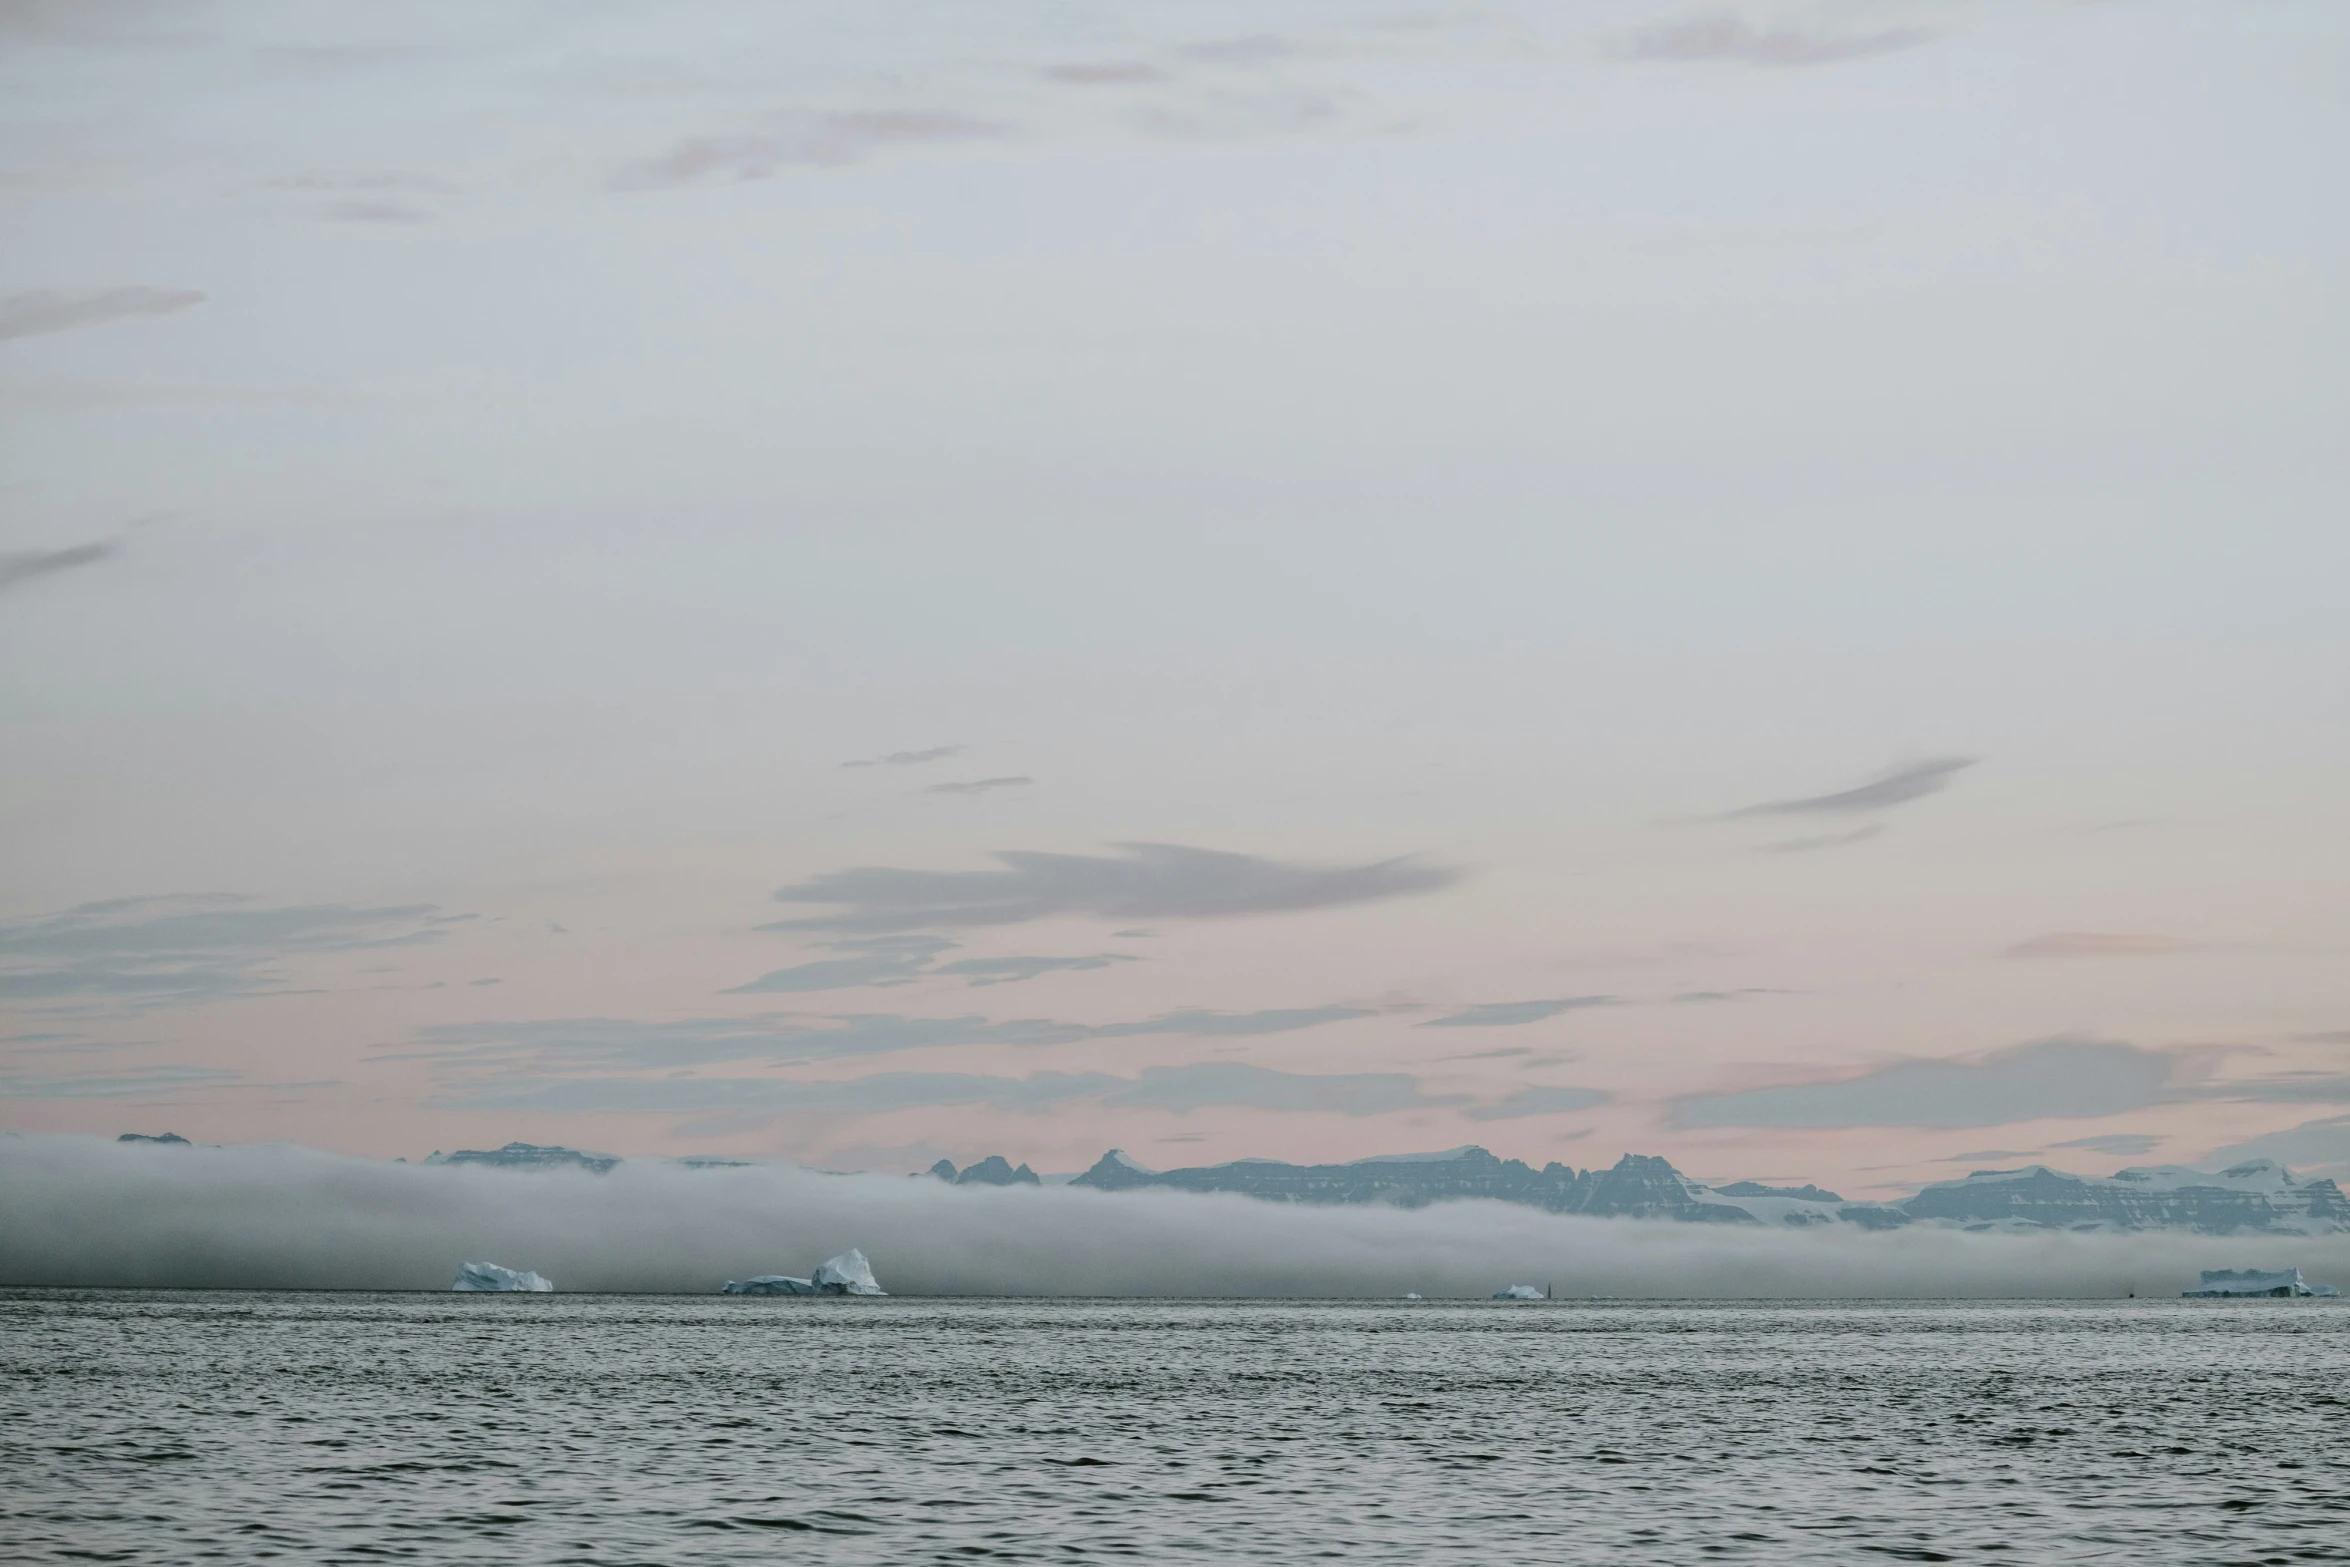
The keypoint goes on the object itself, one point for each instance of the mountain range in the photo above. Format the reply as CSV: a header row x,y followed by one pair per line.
x,y
2255,1198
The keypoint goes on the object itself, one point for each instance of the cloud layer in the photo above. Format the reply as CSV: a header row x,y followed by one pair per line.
x,y
76,1211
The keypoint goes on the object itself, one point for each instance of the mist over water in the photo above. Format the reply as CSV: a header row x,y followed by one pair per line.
x,y
84,1212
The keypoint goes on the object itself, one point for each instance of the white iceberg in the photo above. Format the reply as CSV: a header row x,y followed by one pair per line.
x,y
2225,1283
488,1276
1520,1292
847,1274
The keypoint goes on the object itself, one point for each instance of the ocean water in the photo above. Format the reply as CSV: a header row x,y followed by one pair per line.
x,y
191,1427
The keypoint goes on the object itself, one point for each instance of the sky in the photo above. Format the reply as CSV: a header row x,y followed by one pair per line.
x,y
860,583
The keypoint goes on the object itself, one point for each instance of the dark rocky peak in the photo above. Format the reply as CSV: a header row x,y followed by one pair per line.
x,y
166,1137
995,1170
1643,1186
530,1156
944,1170
1114,1171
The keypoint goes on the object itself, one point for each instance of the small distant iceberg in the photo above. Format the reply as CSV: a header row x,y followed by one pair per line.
x,y
2244,1283
484,1277
1520,1292
847,1274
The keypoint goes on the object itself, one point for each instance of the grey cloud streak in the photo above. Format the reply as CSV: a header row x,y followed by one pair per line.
x,y
149,1084
909,758
874,960
1010,971
1180,1089
1510,1014
176,949
25,565
1724,35
817,141
1539,1101
79,1211
2053,1078
981,785
51,310
899,960
2122,1145
1897,787
781,1037
2097,944
1142,881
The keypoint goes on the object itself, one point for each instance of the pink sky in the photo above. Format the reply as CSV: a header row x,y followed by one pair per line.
x,y
1733,585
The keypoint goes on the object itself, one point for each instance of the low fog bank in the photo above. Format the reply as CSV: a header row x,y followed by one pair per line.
x,y
80,1211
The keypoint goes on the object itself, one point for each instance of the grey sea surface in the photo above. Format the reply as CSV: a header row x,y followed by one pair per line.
x,y
190,1427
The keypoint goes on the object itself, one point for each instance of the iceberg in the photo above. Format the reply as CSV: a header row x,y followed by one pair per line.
x,y
770,1284
2241,1283
847,1274
488,1276
1520,1292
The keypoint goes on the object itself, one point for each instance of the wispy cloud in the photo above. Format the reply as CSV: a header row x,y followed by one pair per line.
x,y
394,212
873,960
1179,1089
981,785
1142,881
1220,1083
1727,36
2122,1145
159,950
1832,840
2283,1088
374,180
1509,1014
142,1083
784,1038
1898,787
18,566
1205,1024
52,310
817,141
936,753
1103,73
899,960
1012,970
2046,1079
1539,1101
2313,1147
2098,944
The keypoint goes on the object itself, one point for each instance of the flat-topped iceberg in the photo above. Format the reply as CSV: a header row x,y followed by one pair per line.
x,y
847,1274
2226,1283
1519,1292
488,1276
